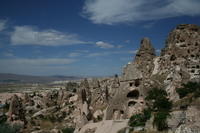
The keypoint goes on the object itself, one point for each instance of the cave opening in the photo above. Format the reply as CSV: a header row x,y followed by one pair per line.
x,y
131,103
133,94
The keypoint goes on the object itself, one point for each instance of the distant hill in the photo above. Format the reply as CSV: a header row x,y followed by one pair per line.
x,y
7,78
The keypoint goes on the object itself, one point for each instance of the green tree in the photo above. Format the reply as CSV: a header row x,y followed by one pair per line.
x,y
161,107
140,119
188,88
160,120
155,93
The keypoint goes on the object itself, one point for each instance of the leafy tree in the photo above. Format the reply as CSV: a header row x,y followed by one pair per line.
x,y
190,87
154,93
162,104
137,120
161,107
147,113
160,120
140,119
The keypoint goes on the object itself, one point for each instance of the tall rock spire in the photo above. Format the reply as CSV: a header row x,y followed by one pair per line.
x,y
144,57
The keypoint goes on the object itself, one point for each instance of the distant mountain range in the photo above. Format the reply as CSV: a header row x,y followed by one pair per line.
x,y
7,78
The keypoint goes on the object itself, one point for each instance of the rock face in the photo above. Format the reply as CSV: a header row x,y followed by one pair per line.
x,y
108,126
179,60
16,112
144,57
183,49
104,105
16,109
177,64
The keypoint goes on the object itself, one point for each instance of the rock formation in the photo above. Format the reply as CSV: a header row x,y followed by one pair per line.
x,y
16,112
104,105
144,57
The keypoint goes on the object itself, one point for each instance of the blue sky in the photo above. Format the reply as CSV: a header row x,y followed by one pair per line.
x,y
84,37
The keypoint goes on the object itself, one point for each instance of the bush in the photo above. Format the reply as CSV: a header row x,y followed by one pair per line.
x,y
147,113
161,107
158,97
71,86
155,93
6,128
140,119
160,120
68,130
162,103
3,119
190,87
137,120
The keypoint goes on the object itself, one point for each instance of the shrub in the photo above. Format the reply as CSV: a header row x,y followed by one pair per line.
x,y
6,128
190,87
162,103
68,130
71,86
137,120
158,97
155,93
161,107
3,119
160,120
140,119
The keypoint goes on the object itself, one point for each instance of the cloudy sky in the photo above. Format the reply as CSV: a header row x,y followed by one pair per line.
x,y
84,37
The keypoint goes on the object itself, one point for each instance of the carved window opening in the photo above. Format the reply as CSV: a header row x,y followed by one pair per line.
x,y
131,84
137,82
121,112
192,71
173,57
131,103
133,94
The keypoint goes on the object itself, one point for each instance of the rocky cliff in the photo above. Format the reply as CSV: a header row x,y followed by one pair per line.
x,y
178,63
105,105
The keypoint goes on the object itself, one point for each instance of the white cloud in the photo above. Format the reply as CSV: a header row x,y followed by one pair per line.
x,y
158,50
96,54
133,51
74,54
110,53
125,11
104,45
149,25
120,46
42,66
2,24
37,62
8,54
28,35
127,41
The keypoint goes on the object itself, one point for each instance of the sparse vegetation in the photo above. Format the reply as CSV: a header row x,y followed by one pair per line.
x,y
161,107
155,93
188,88
68,130
160,120
140,119
3,119
71,86
6,128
